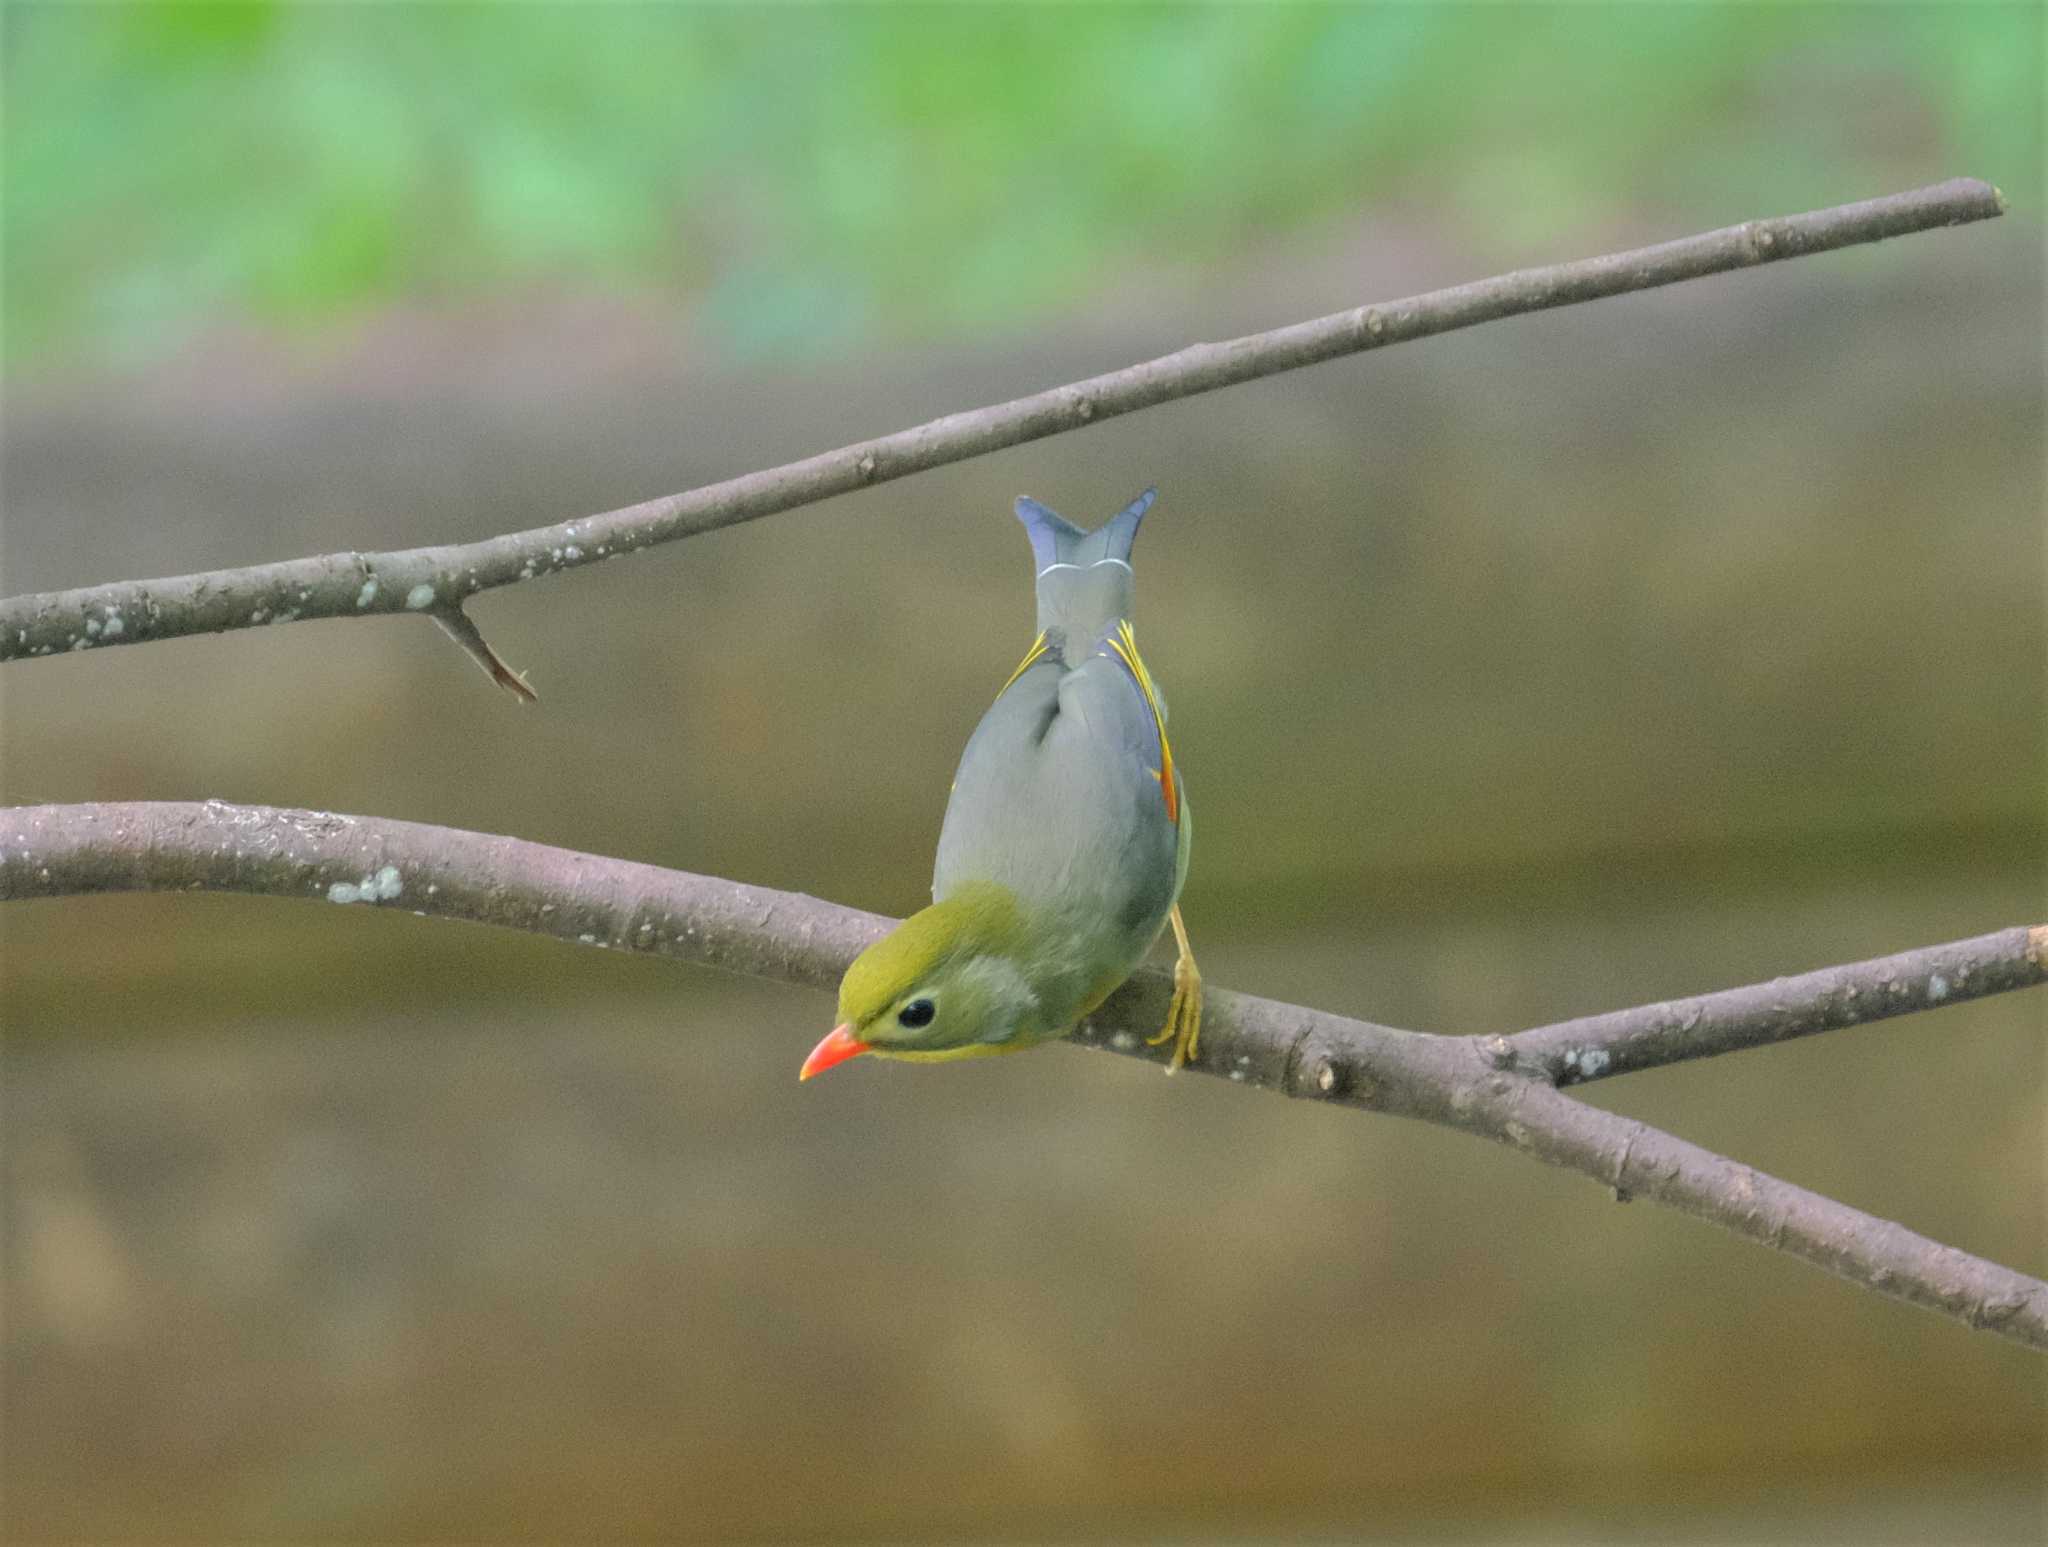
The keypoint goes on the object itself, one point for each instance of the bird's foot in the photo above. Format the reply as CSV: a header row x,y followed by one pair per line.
x,y
1184,1014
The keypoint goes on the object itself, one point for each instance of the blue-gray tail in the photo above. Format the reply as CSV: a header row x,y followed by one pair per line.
x,y
1056,540
1084,578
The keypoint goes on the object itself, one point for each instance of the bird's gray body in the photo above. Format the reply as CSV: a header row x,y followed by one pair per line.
x,y
1059,796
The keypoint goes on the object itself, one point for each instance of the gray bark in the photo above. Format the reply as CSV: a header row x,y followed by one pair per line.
x,y
1500,1088
436,581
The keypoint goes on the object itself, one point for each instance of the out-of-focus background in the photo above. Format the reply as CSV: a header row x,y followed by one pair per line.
x,y
1566,663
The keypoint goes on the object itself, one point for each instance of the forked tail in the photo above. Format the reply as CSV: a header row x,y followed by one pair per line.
x,y
1084,578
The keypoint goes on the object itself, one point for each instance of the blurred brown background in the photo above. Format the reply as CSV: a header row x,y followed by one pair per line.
x,y
1566,663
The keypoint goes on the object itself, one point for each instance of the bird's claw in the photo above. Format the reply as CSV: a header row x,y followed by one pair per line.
x,y
1184,1014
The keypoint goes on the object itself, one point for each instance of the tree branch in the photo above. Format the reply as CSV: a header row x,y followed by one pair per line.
x,y
1495,1087
1597,1047
436,581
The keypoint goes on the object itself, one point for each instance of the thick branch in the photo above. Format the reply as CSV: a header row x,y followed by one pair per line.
x,y
437,579
1486,1086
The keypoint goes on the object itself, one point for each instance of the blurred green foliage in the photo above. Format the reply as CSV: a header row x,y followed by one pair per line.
x,y
831,175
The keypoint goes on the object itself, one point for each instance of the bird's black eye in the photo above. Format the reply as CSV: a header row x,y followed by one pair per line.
x,y
918,1012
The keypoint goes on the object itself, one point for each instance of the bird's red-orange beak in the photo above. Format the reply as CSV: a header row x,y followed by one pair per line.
x,y
838,1046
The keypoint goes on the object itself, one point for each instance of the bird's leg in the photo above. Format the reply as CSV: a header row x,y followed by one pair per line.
x,y
1184,1014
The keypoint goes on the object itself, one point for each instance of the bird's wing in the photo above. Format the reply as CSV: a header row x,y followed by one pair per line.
x,y
1123,644
1031,659
1061,786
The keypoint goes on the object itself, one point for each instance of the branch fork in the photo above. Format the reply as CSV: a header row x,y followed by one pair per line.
x,y
1502,1088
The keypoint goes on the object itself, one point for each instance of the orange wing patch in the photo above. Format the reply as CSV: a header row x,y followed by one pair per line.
x,y
1125,644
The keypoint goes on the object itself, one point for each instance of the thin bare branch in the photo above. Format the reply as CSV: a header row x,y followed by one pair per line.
x,y
1598,1047
430,580
1476,1084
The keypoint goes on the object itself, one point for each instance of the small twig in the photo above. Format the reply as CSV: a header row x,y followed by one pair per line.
x,y
459,626
346,585
1478,1085
1598,1047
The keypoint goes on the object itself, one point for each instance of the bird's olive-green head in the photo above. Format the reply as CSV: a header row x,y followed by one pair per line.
x,y
948,982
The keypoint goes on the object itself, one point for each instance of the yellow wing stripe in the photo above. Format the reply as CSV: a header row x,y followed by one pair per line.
x,y
1125,643
1030,659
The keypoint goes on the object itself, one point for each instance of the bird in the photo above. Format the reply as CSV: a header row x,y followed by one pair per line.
x,y
1064,845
